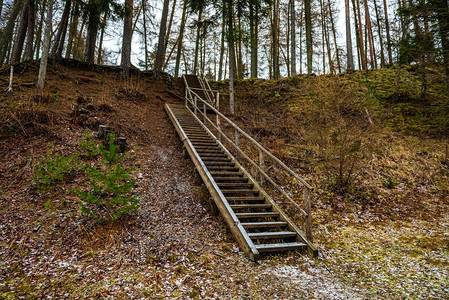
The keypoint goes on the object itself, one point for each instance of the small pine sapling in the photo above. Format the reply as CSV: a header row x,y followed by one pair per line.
x,y
53,169
110,194
89,146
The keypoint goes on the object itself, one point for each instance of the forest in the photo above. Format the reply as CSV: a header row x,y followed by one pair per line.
x,y
270,38
104,190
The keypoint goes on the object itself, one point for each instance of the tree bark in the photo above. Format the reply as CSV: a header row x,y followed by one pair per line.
x,y
197,42
362,50
127,38
379,32
222,45
309,45
72,30
44,60
6,35
170,22
100,45
28,55
231,56
58,44
275,29
387,29
37,45
293,37
144,10
180,38
334,34
92,31
369,36
160,55
349,55
21,34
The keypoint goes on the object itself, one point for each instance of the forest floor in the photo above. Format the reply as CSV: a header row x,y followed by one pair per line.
x,y
174,247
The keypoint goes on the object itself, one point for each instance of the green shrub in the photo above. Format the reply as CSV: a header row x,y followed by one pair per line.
x,y
109,196
89,146
390,183
53,169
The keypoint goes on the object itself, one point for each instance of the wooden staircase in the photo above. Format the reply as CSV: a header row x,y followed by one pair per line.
x,y
256,221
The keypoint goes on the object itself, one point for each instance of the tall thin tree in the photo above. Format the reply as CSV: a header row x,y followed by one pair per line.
x,y
160,55
349,55
46,48
127,38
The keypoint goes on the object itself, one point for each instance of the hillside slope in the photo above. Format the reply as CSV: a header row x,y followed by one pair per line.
x,y
380,212
174,247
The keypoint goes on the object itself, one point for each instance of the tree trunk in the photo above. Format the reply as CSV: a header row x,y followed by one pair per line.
x,y
58,44
309,45
92,31
127,38
78,51
387,29
37,45
170,22
293,37
275,29
180,38
100,45
231,56
222,45
334,34
6,35
1,6
362,50
197,42
43,65
349,55
323,35
72,30
144,9
379,32
239,39
21,34
369,36
328,44
443,28
160,55
30,32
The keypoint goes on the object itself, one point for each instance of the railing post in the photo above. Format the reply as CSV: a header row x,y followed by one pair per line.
x,y
237,143
262,166
219,127
217,102
195,103
308,210
204,113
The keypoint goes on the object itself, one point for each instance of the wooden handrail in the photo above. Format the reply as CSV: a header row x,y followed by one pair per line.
x,y
247,136
308,189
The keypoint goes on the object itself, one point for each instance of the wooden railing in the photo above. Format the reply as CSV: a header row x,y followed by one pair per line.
x,y
200,107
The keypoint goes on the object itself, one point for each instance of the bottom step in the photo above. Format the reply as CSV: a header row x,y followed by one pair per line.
x,y
280,247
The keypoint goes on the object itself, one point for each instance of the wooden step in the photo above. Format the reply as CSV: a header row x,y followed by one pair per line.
x,y
264,224
250,206
258,215
271,235
280,247
220,163
240,191
223,168
235,185
208,158
245,198
218,180
225,173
